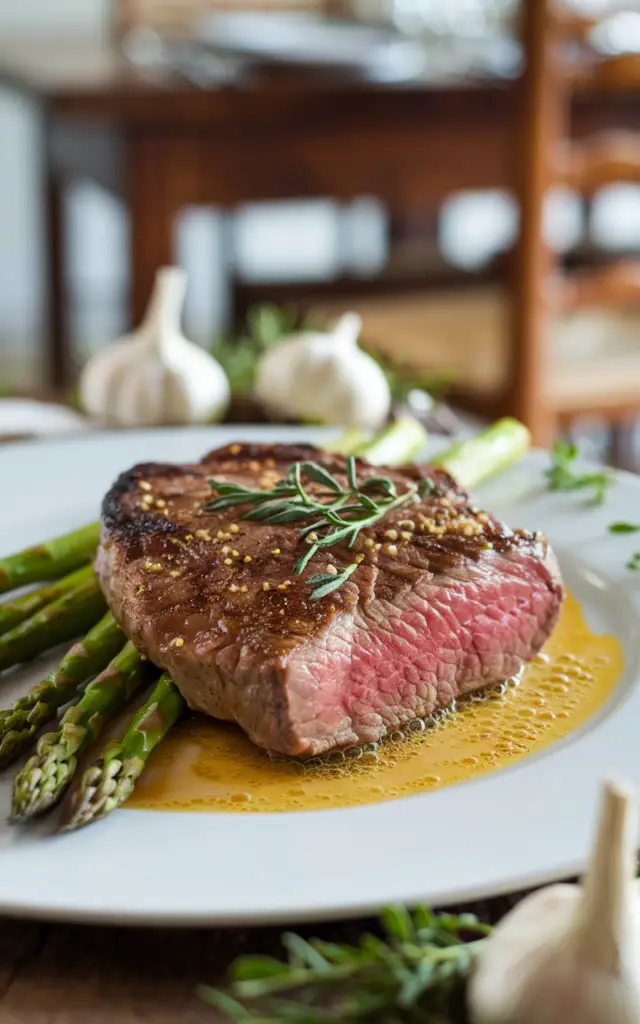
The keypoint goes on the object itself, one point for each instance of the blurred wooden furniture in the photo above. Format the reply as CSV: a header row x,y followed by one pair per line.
x,y
576,339
161,143
177,15
551,347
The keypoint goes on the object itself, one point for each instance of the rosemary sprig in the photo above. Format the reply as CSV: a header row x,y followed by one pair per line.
x,y
338,513
562,475
415,970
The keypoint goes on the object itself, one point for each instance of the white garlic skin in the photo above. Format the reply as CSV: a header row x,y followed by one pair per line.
x,y
325,378
552,983
570,954
155,376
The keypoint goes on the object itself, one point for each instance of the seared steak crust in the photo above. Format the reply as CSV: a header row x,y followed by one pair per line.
x,y
446,600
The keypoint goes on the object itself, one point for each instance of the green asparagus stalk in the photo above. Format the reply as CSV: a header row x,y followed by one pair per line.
x,y
109,781
490,452
399,443
13,612
71,615
41,783
22,722
49,560
468,462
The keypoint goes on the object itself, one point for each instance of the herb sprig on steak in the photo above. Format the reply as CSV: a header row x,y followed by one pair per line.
x,y
344,511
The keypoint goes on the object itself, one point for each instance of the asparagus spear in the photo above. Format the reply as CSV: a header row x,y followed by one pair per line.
x,y
12,613
72,614
20,723
399,443
51,559
109,781
40,784
490,452
469,462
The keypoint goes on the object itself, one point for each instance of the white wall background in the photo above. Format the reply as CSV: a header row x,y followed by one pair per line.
x,y
21,294
54,17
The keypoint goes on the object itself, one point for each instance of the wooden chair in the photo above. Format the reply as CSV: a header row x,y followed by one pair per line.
x,y
549,348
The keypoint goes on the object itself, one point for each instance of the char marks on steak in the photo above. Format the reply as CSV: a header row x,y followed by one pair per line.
x,y
454,603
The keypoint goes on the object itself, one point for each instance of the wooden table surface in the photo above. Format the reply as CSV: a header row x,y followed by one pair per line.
x,y
77,974
63,974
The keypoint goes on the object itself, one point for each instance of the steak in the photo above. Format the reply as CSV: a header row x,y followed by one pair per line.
x,y
446,600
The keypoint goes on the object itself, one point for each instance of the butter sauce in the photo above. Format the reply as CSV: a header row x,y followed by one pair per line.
x,y
205,765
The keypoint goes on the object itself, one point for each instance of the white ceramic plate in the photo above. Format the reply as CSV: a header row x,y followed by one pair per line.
x,y
504,831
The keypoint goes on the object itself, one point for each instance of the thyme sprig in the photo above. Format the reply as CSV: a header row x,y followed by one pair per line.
x,y
562,474
338,513
414,971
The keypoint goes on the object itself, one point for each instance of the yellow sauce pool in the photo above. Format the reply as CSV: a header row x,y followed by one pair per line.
x,y
208,766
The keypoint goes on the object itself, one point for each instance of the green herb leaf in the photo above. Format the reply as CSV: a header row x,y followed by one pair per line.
x,y
224,487
623,528
322,577
270,508
381,483
302,563
366,502
336,581
304,954
338,513
320,475
252,968
398,924
291,514
562,475
426,488
415,974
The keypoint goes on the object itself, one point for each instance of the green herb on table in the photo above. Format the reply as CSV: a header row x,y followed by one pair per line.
x,y
563,476
418,968
634,562
339,513
267,325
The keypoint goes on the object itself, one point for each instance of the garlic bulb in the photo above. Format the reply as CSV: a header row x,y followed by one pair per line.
x,y
325,378
155,375
570,954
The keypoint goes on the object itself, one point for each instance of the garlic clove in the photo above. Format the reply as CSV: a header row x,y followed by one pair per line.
x,y
608,886
571,953
199,390
162,319
347,329
155,375
325,378
102,376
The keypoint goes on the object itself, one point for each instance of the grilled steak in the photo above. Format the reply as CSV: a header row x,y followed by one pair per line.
x,y
445,601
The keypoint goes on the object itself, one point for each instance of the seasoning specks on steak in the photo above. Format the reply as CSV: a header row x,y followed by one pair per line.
x,y
453,603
